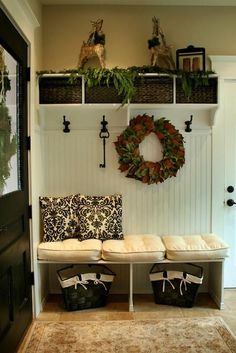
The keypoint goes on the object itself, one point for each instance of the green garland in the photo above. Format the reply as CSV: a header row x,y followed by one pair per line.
x,y
125,79
130,159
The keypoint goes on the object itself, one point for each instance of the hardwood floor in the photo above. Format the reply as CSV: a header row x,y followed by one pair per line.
x,y
145,308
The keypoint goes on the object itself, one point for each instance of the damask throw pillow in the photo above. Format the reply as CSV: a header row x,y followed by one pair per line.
x,y
60,217
100,217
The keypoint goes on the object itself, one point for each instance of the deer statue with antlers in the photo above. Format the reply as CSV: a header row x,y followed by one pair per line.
x,y
160,52
94,47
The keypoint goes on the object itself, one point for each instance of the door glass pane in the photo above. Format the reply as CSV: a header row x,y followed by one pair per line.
x,y
9,124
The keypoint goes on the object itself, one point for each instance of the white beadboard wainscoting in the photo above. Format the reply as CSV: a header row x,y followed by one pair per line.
x,y
180,205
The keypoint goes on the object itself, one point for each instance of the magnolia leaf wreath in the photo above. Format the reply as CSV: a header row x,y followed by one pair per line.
x,y
130,159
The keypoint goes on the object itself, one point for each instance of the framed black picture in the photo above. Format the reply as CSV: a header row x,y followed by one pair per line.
x,y
190,59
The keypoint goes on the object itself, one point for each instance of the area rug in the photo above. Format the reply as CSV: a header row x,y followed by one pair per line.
x,y
190,335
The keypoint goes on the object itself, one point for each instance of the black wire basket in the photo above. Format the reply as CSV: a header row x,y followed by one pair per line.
x,y
172,286
85,290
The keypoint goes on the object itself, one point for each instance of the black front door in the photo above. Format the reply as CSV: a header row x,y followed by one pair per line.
x,y
15,287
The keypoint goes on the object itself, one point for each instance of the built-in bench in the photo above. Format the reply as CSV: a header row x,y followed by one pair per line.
x,y
144,248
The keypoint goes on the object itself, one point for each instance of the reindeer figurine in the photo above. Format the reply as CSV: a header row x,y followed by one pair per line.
x,y
160,51
94,45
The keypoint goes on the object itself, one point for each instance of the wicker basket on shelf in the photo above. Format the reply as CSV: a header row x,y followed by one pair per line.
x,y
102,94
154,89
201,94
58,90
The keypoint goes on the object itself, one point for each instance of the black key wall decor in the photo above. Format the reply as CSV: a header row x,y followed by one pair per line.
x,y
104,134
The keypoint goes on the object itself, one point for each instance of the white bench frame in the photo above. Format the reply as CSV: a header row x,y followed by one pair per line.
x,y
215,280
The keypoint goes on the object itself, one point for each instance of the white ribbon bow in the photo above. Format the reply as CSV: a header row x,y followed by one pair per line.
x,y
164,284
97,281
76,281
184,281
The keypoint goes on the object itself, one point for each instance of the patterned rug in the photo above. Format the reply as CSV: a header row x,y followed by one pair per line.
x,y
190,335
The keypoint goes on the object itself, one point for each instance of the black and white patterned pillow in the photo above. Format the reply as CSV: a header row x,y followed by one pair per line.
x,y
100,217
60,217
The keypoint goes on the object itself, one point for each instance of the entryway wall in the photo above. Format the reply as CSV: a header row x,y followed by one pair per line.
x,y
180,205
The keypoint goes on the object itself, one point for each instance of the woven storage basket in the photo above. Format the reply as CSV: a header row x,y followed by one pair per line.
x,y
84,290
102,94
58,90
175,287
154,89
200,94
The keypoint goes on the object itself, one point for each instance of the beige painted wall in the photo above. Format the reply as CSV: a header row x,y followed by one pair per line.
x,y
128,28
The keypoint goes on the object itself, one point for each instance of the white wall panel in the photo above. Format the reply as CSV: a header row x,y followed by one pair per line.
x,y
180,205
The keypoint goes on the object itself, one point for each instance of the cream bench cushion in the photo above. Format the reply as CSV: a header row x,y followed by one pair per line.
x,y
70,250
194,247
134,248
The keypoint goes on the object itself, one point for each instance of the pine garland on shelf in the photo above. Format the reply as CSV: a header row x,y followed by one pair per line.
x,y
124,79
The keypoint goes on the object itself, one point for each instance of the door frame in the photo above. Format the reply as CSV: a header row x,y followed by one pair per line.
x,y
19,249
225,67
26,20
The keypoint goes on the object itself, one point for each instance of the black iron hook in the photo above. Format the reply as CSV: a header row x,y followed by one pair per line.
x,y
66,123
188,123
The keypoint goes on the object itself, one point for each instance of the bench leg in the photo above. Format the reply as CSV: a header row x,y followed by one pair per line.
x,y
216,283
131,304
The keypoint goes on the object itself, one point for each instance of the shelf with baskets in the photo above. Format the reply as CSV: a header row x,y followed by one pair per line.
x,y
150,89
154,92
